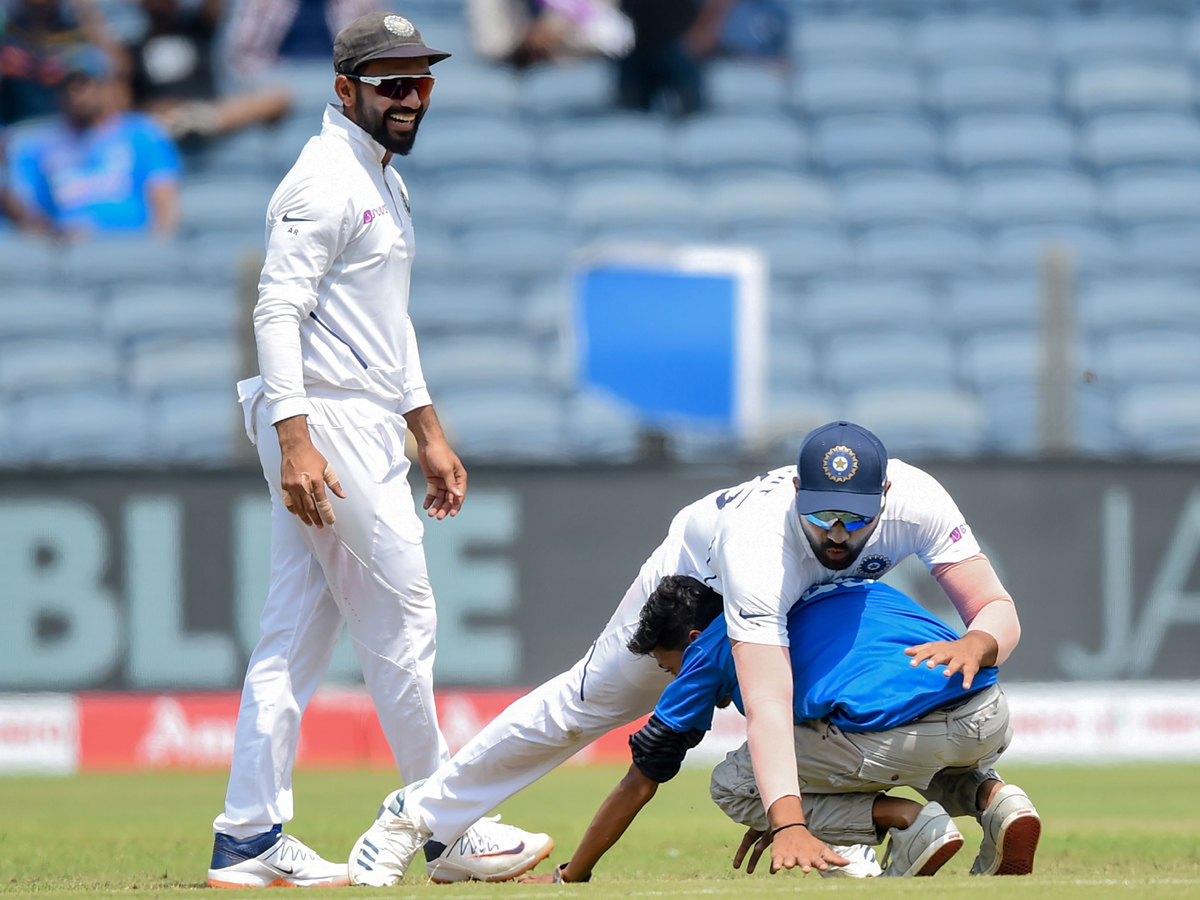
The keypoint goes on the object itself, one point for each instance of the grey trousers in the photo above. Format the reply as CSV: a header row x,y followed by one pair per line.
x,y
945,755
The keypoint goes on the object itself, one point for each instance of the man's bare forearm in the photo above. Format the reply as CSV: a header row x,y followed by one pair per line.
x,y
618,810
293,433
423,423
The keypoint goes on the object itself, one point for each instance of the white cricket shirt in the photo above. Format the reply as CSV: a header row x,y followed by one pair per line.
x,y
747,544
332,305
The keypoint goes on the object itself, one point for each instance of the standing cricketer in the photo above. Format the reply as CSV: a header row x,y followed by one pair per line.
x,y
844,511
341,383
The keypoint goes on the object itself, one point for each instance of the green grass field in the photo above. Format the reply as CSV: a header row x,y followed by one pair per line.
x,y
1108,832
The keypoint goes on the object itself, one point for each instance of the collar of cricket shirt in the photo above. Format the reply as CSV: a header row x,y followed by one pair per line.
x,y
336,120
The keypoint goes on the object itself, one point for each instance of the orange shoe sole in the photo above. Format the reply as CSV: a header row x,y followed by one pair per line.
x,y
278,883
511,875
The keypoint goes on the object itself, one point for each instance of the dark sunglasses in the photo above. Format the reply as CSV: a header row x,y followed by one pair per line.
x,y
397,87
826,519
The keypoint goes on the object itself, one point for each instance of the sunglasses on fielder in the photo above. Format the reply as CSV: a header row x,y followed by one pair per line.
x,y
826,519
397,87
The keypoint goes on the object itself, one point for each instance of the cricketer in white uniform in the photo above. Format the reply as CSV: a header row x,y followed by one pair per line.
x,y
760,545
341,383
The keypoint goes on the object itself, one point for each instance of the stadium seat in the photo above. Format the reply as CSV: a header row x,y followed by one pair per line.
x,y
475,90
648,233
310,84
1167,247
176,364
992,88
982,305
28,260
851,88
197,426
734,87
555,90
850,39
1150,357
503,251
1136,197
505,425
982,39
1083,39
791,363
1140,139
839,304
142,312
800,252
936,422
47,364
437,252
998,357
1112,87
978,142
224,257
224,204
289,137
115,260
510,198
250,151
1032,197
544,308
48,311
480,143
919,250
766,199
80,427
1021,248
1012,415
882,357
632,200
1163,420
847,142
898,197
707,143
443,28
601,428
462,306
614,142
1116,306
478,361
792,412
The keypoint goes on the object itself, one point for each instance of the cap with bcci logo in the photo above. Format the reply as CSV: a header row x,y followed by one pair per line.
x,y
842,467
379,35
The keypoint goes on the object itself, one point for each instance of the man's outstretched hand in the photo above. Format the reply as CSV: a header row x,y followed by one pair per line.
x,y
809,855
970,653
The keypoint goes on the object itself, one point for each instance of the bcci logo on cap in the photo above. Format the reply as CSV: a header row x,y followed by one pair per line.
x,y
840,464
399,26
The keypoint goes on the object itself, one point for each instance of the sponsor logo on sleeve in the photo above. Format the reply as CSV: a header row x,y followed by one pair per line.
x,y
959,533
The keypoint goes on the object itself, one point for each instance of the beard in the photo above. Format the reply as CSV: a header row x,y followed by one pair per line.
x,y
375,124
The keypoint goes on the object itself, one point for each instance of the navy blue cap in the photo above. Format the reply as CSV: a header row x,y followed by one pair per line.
x,y
842,467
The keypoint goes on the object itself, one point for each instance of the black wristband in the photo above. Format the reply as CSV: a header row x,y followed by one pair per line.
x,y
776,831
558,870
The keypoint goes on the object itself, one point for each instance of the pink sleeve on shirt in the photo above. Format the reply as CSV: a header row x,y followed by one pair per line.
x,y
981,600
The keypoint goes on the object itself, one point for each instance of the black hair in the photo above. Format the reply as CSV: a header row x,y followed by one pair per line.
x,y
678,605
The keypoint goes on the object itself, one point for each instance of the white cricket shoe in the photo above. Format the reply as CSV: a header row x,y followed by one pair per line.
x,y
488,851
863,863
286,863
1011,829
923,847
383,853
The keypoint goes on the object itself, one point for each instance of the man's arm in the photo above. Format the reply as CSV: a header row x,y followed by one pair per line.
x,y
163,197
444,472
765,676
987,610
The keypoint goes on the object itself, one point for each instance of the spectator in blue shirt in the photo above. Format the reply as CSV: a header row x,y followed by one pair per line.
x,y
864,712
96,169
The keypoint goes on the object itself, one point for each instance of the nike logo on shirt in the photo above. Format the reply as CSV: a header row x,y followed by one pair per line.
x,y
286,218
746,615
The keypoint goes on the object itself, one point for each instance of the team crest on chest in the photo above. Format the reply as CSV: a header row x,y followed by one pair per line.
x,y
874,565
399,26
840,463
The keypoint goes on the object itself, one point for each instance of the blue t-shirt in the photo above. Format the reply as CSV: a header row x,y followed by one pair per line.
x,y
848,663
94,180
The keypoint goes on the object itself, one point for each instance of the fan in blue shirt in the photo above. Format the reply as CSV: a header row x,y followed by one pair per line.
x,y
848,661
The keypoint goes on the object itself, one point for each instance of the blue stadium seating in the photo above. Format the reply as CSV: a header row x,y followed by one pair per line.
x,y
1032,197
467,361
897,197
994,357
714,142
1115,87
504,251
600,428
1163,420
920,250
509,198
47,364
766,199
1140,139
1021,248
199,426
457,306
982,39
847,142
882,357
568,89
932,421
156,366
1120,305
79,427
35,312
135,313
1085,38
28,260
978,142
1151,357
791,363
983,305
850,39
220,204
1139,196
1012,413
505,425
223,257
992,88
119,260
801,252
632,200
474,90
855,88
612,142
848,304
1158,248
736,87
476,143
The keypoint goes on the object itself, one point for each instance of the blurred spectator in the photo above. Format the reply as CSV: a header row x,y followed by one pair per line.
x,y
173,80
670,38
265,32
97,168
35,36
524,32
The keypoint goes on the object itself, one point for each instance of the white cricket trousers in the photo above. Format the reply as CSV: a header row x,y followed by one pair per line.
x,y
609,687
367,570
